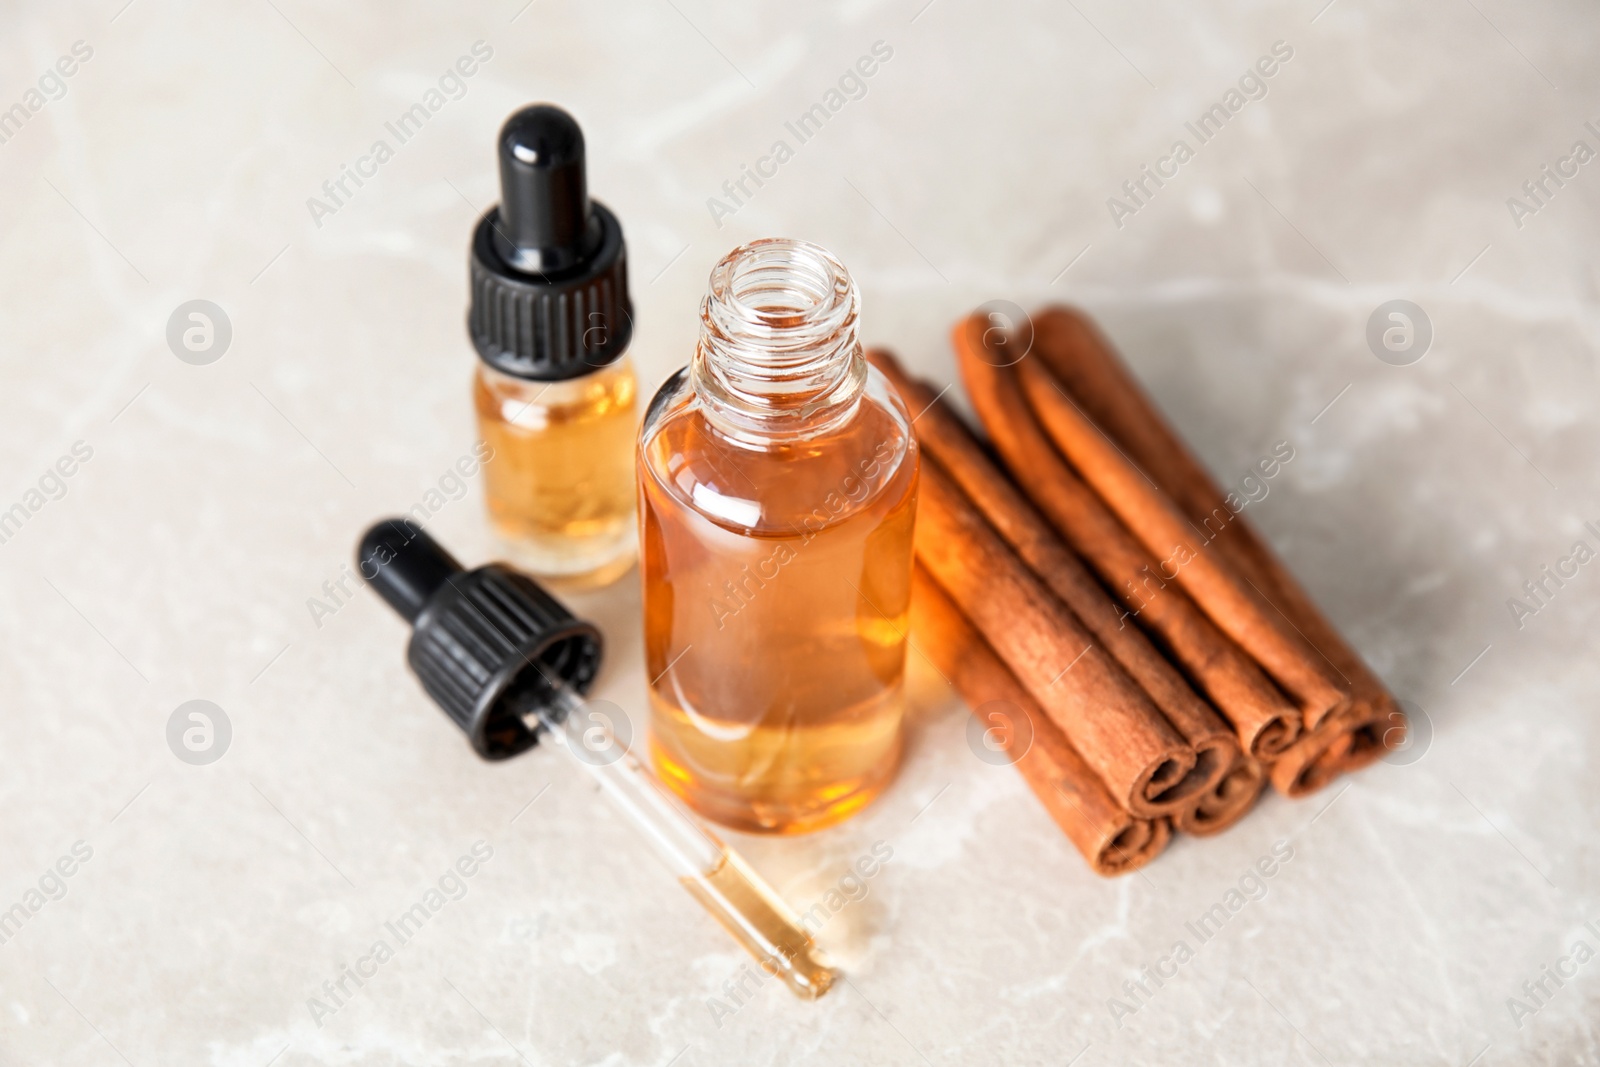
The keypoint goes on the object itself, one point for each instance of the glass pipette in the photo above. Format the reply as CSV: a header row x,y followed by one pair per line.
x,y
506,662
714,874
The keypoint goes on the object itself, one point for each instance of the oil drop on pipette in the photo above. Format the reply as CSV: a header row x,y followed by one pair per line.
x,y
507,662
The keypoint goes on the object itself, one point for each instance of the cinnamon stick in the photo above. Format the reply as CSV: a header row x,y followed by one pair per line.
x,y
1239,610
1265,721
1102,384
1141,759
1346,741
1111,840
943,435
1227,802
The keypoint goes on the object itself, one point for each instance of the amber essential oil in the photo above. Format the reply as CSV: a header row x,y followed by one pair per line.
x,y
554,392
778,479
559,485
762,923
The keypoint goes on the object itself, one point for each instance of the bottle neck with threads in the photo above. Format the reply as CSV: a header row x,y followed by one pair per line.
x,y
780,349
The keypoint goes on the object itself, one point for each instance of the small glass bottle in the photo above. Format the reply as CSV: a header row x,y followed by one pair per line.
x,y
778,485
555,393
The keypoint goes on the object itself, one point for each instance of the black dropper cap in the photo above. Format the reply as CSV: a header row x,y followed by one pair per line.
x,y
488,645
549,267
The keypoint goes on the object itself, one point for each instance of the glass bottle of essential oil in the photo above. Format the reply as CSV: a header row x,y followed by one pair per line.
x,y
555,393
778,483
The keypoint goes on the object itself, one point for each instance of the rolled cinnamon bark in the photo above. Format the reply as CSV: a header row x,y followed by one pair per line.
x,y
1264,719
1209,578
1142,760
1227,802
1111,840
1103,385
1345,741
1369,735
1088,367
946,438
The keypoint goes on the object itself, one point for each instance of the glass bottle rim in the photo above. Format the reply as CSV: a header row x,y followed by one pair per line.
x,y
780,348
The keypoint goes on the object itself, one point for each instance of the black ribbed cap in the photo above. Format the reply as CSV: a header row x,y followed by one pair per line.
x,y
488,645
549,266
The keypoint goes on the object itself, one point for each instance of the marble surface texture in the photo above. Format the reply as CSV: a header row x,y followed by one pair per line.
x,y
176,563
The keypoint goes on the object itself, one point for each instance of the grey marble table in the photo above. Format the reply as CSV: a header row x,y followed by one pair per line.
x,y
178,522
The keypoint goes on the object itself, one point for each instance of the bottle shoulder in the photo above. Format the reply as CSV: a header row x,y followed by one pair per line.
x,y
784,487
